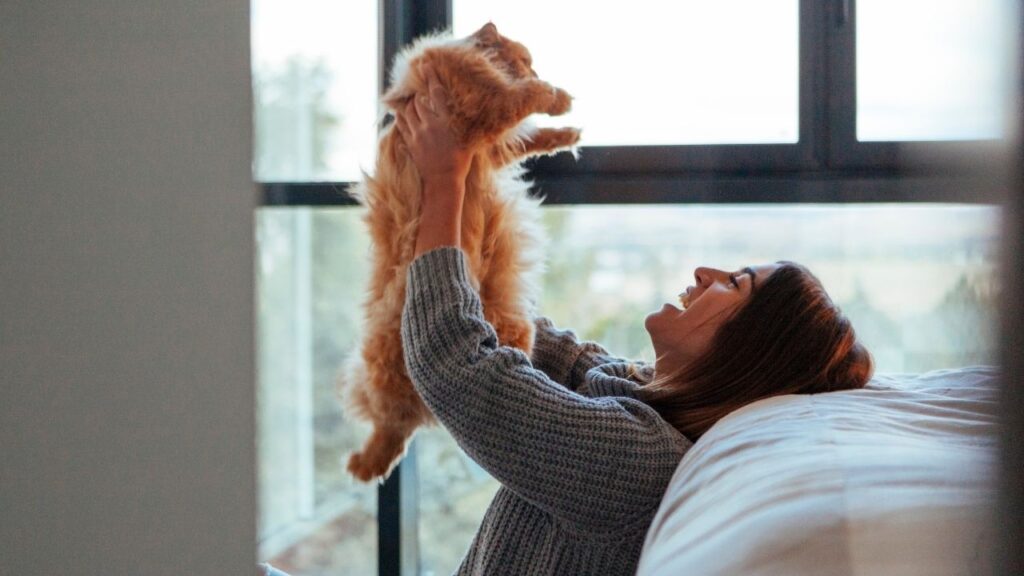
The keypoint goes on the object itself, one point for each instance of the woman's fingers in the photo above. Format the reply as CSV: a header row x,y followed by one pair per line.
x,y
402,125
437,94
411,113
424,110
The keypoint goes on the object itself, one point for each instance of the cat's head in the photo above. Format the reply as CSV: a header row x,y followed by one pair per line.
x,y
512,56
505,54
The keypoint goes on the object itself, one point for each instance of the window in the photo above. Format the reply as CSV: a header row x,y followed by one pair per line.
x,y
315,110
931,70
916,83
807,140
315,89
313,518
673,94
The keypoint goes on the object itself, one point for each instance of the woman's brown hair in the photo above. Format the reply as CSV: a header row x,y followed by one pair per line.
x,y
788,338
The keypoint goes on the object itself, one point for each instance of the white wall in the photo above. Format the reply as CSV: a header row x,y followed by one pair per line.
x,y
126,288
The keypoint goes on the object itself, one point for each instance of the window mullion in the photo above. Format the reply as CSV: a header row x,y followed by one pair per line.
x,y
841,75
404,20
814,86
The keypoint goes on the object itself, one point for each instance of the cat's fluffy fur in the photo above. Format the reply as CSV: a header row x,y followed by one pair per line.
x,y
491,89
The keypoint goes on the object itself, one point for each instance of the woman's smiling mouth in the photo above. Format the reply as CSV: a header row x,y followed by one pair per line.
x,y
684,297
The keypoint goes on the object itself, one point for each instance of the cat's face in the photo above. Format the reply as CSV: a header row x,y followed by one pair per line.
x,y
513,56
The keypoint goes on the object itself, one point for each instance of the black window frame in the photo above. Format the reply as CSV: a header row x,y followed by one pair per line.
x,y
826,165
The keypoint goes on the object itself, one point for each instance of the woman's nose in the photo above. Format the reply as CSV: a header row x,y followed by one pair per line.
x,y
703,276
706,276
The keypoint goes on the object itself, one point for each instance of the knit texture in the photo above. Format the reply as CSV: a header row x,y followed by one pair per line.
x,y
582,462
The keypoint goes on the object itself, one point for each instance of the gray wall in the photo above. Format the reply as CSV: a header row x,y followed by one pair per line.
x,y
126,295
1010,518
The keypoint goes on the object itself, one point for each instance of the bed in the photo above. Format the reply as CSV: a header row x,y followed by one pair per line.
x,y
897,478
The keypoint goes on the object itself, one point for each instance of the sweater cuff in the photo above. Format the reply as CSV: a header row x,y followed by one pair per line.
x,y
440,274
554,350
444,266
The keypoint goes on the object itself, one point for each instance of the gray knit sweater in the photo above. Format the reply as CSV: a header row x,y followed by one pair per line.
x,y
582,462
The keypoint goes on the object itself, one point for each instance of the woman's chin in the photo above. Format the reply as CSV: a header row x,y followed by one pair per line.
x,y
669,306
649,318
662,311
665,310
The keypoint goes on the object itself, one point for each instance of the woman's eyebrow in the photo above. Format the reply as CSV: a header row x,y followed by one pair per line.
x,y
753,275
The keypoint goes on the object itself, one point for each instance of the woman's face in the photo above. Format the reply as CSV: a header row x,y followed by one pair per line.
x,y
680,335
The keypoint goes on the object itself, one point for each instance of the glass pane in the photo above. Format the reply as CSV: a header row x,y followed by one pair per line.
x,y
453,494
916,281
661,71
315,94
311,273
933,69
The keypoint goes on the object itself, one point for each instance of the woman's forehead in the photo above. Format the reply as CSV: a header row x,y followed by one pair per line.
x,y
761,272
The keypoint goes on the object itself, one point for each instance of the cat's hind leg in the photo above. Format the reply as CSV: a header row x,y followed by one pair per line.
x,y
505,283
380,453
389,399
513,327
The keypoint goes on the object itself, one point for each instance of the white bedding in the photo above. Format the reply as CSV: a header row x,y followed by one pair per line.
x,y
897,478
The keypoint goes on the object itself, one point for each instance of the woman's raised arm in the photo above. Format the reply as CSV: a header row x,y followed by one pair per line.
x,y
563,357
594,462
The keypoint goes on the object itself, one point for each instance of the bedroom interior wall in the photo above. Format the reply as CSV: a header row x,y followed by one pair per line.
x,y
1010,512
126,295
1010,515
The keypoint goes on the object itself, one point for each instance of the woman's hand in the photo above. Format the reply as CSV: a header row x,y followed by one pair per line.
x,y
441,161
424,124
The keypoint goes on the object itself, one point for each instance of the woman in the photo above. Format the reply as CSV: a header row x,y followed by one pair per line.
x,y
584,443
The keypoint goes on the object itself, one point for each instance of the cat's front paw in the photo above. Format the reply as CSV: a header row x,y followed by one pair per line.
x,y
571,136
561,102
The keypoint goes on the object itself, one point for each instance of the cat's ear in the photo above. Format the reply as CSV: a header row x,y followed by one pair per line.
x,y
487,35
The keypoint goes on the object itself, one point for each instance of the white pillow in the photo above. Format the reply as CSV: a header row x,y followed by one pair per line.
x,y
897,478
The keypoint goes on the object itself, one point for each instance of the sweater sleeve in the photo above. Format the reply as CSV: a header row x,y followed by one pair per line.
x,y
594,462
562,357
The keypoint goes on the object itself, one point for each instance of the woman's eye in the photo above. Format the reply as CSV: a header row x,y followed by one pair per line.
x,y
732,279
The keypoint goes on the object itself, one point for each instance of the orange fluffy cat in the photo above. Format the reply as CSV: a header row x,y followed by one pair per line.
x,y
492,89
